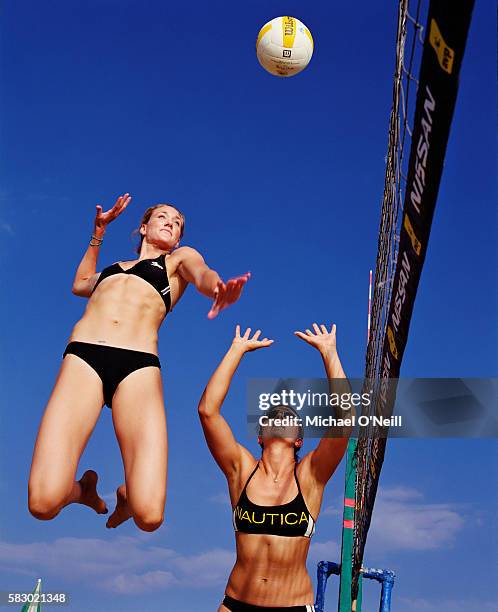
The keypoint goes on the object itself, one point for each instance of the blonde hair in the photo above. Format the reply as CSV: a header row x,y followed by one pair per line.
x,y
148,214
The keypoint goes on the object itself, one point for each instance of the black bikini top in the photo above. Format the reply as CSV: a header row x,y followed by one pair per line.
x,y
151,270
290,520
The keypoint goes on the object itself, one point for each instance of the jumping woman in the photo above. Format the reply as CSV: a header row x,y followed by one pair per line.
x,y
111,358
276,499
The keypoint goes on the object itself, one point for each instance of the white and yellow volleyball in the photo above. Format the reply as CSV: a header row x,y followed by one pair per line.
x,y
284,46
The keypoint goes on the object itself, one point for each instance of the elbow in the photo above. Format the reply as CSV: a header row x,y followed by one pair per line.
x,y
202,410
79,290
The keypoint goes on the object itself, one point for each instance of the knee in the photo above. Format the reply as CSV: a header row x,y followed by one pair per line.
x,y
149,520
44,504
42,507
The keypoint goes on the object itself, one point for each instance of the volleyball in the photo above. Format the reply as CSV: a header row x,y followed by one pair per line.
x,y
284,46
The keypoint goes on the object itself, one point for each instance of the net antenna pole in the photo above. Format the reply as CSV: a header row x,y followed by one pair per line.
x,y
34,605
369,319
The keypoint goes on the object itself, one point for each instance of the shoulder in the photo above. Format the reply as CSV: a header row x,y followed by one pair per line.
x,y
311,488
185,251
247,457
186,255
303,469
246,464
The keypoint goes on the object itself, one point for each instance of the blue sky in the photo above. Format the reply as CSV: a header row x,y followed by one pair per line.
x,y
282,177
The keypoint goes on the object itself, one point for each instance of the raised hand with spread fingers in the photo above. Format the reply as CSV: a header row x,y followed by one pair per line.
x,y
246,343
321,338
102,219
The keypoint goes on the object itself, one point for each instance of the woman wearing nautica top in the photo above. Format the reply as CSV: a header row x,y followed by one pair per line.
x,y
277,499
112,358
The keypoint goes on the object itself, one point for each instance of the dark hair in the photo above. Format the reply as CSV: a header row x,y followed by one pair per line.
x,y
277,411
148,214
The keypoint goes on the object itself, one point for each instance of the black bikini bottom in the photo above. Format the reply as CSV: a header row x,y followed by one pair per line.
x,y
111,363
239,606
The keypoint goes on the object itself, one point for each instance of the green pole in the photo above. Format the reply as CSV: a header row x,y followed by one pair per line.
x,y
345,603
360,590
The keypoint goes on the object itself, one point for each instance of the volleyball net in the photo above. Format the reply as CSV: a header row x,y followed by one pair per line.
x,y
411,186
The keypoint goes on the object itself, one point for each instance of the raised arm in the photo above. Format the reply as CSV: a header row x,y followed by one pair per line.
x,y
219,437
86,275
329,452
194,269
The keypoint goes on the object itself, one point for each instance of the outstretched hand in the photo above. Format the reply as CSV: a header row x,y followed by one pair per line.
x,y
103,218
226,294
246,343
322,339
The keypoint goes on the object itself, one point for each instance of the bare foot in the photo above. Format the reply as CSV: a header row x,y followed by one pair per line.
x,y
121,511
89,496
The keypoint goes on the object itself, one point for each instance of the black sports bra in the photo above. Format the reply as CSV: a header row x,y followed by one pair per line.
x,y
151,270
291,520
